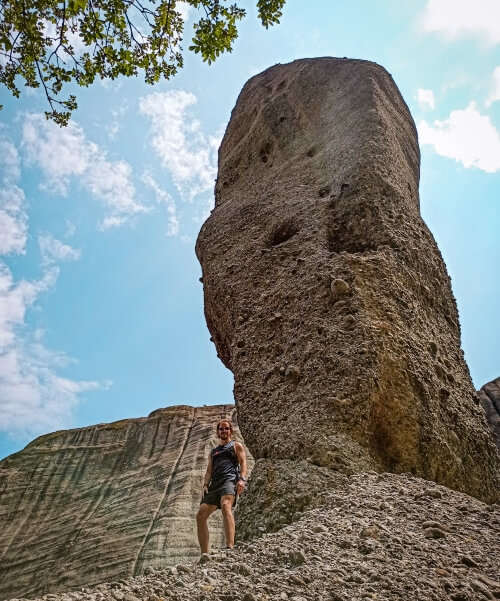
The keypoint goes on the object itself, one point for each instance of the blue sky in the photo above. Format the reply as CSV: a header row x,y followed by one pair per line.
x,y
101,310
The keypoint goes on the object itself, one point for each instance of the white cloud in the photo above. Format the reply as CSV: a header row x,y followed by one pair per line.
x,y
10,167
114,126
466,136
111,221
177,138
13,220
53,250
15,298
112,184
61,152
495,88
64,153
205,208
33,398
113,85
73,37
184,8
425,98
13,217
163,197
70,229
462,18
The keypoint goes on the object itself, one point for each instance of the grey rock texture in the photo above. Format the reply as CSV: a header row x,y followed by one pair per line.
x,y
380,536
326,294
279,491
489,395
96,504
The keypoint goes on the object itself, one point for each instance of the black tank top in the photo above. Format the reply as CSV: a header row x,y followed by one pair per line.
x,y
224,464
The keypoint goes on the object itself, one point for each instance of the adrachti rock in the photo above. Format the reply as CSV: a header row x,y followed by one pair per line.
x,y
489,395
85,506
325,292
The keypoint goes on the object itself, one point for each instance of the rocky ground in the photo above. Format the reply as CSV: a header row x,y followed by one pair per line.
x,y
377,536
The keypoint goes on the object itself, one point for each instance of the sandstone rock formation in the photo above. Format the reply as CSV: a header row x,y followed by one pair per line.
x,y
382,537
489,395
85,506
325,293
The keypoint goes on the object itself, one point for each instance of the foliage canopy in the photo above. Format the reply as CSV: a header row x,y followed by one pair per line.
x,y
50,43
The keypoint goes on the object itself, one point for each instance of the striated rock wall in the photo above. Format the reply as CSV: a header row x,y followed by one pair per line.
x,y
97,504
325,292
489,396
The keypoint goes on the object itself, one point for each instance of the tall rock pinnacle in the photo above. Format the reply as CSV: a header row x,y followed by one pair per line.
x,y
326,294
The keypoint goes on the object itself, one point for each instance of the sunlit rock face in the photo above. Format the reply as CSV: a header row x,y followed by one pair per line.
x,y
101,503
326,294
489,395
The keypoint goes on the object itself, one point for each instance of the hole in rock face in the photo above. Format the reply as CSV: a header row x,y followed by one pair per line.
x,y
265,151
283,232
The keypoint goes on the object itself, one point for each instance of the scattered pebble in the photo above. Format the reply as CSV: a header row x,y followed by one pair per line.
x,y
434,533
468,561
347,549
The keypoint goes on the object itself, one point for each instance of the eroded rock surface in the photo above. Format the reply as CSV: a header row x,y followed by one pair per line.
x,y
381,536
96,504
325,292
489,395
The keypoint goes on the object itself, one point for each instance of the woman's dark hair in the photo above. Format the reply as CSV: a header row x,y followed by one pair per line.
x,y
225,421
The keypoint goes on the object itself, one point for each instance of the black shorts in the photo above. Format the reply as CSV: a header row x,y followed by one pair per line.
x,y
214,494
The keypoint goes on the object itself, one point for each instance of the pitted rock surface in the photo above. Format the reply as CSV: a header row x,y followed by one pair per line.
x,y
279,491
373,538
85,506
489,395
325,292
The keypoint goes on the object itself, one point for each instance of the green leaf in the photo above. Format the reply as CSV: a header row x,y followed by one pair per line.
x,y
120,37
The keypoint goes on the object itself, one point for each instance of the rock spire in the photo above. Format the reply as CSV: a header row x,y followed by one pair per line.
x,y
325,292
